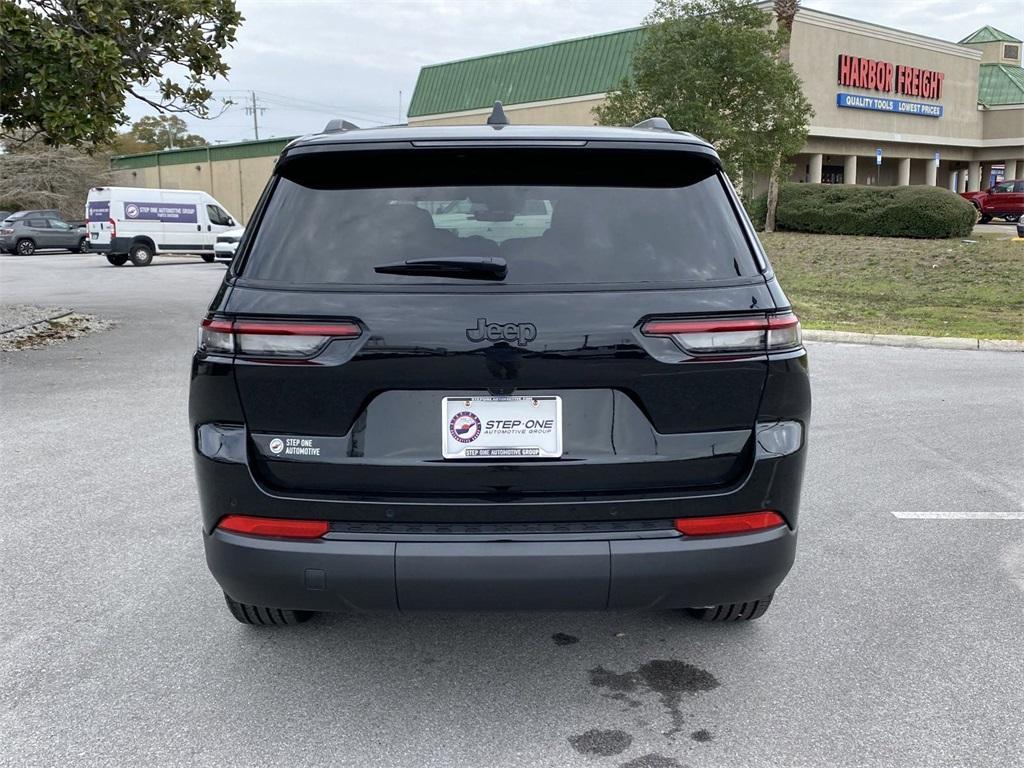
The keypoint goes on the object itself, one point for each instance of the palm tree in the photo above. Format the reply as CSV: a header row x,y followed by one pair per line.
x,y
785,12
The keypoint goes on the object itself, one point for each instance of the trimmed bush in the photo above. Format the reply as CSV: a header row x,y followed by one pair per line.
x,y
847,209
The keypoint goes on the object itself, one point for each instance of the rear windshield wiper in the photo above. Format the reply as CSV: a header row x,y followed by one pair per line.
x,y
465,267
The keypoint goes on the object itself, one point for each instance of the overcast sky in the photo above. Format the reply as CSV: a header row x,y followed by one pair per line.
x,y
312,60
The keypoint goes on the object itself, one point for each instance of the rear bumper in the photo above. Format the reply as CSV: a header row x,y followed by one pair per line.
x,y
641,571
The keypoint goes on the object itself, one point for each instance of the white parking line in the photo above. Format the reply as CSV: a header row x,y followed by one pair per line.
x,y
960,514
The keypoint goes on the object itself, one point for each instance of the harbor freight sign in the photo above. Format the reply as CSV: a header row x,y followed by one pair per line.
x,y
879,104
886,77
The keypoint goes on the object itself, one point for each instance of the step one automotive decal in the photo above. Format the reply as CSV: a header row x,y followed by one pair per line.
x,y
176,213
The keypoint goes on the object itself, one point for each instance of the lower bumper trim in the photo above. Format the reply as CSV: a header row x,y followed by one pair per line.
x,y
596,574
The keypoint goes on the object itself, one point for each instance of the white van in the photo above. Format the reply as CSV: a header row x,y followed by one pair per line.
x,y
136,223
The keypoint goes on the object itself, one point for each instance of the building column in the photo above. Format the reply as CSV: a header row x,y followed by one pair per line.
x,y
931,170
903,179
961,180
952,180
815,174
974,176
1011,170
850,170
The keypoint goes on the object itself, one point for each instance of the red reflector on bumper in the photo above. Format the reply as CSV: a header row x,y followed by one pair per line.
x,y
274,527
723,524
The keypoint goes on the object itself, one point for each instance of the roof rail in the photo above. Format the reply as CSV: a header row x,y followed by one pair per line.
x,y
498,118
337,125
654,124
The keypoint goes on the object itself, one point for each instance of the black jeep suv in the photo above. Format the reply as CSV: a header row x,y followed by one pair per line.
x,y
499,367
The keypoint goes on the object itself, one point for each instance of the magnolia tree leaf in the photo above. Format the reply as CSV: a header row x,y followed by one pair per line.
x,y
69,66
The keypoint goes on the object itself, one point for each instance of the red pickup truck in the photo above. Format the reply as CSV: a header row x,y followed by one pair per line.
x,y
1005,200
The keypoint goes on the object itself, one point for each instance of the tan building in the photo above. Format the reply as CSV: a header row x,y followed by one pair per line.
x,y
890,107
235,174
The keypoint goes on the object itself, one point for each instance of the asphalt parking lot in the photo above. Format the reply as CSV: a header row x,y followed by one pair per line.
x,y
897,640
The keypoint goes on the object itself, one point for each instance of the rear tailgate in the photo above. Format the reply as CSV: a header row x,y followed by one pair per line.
x,y
639,416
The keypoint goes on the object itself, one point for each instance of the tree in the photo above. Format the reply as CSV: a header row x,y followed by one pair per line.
x,y
165,132
785,13
712,67
37,176
69,65
128,143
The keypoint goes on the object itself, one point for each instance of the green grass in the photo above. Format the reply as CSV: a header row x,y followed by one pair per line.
x,y
896,285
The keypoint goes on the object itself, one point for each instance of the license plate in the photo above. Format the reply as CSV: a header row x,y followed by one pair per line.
x,y
501,427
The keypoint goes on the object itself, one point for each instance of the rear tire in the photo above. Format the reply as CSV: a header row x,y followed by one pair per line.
x,y
141,255
261,616
207,257
748,611
117,259
83,245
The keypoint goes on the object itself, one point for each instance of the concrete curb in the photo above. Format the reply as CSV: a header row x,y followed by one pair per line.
x,y
926,342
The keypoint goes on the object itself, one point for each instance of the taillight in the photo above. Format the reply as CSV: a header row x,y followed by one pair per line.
x,y
6,231
271,338
730,335
274,527
113,227
720,525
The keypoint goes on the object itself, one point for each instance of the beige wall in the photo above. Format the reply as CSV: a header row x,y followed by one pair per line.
x,y
814,52
992,53
1003,124
575,112
236,184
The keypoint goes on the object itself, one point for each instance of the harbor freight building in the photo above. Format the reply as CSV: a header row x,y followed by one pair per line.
x,y
890,107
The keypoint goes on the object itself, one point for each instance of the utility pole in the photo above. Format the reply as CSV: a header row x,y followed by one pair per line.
x,y
254,110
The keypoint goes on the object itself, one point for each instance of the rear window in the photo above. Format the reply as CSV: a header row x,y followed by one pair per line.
x,y
549,235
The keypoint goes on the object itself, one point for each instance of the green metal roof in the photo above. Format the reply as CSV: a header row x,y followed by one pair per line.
x,y
238,150
1000,84
989,34
561,70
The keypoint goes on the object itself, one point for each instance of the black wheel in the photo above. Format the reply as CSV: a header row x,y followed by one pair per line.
x,y
207,257
984,218
753,609
1011,219
25,247
117,259
141,255
261,616
83,245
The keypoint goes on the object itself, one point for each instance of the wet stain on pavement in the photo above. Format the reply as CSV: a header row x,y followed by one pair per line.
x,y
601,743
652,760
669,678
703,735
620,696
561,638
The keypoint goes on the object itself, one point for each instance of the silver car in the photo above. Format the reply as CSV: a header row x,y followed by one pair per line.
x,y
26,231
226,244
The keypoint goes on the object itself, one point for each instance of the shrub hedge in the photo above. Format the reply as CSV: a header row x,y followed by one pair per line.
x,y
847,209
